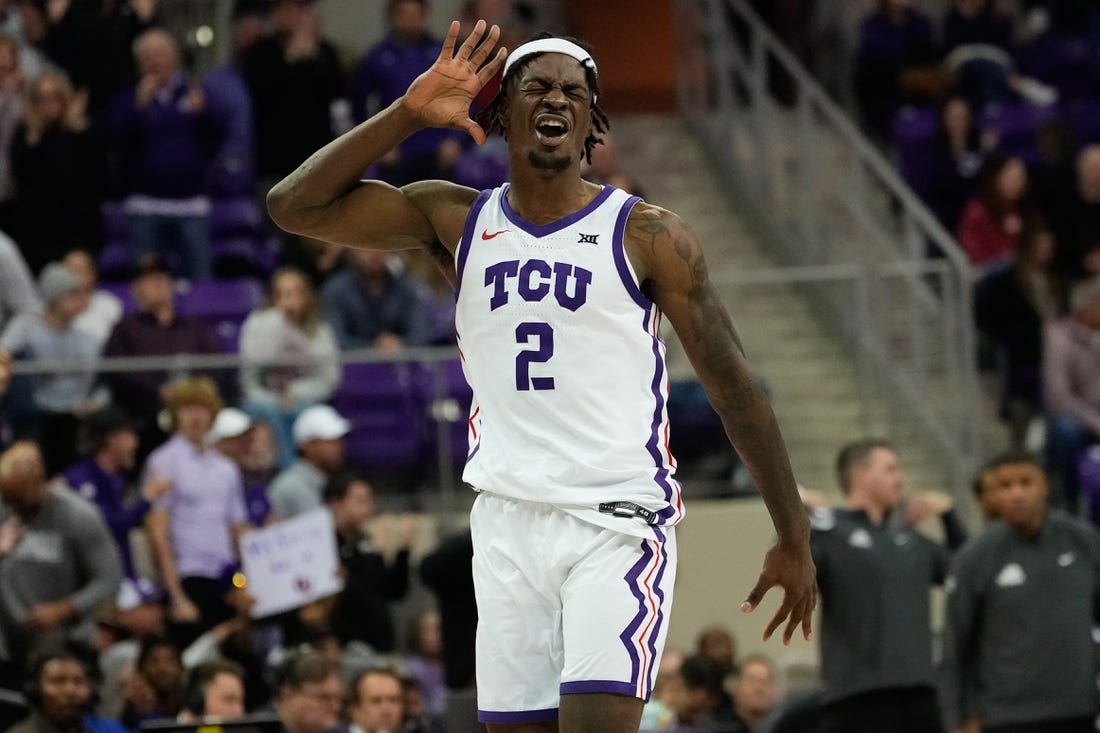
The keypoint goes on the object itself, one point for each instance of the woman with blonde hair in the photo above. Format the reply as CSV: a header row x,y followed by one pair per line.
x,y
289,326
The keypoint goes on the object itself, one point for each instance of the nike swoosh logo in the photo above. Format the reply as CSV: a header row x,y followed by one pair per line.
x,y
487,236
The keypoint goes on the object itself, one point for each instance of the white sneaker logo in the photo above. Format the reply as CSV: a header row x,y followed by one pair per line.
x,y
1011,576
1066,559
860,538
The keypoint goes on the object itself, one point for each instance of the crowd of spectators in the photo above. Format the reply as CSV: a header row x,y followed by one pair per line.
x,y
123,495
992,110
131,203
131,200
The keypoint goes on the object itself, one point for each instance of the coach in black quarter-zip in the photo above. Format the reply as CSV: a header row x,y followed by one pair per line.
x,y
874,571
1023,598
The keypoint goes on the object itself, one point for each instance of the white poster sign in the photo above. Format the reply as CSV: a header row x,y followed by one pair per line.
x,y
291,563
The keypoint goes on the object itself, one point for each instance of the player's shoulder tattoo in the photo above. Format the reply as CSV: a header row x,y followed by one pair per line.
x,y
659,231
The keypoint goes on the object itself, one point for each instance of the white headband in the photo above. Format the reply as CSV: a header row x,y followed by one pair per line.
x,y
550,45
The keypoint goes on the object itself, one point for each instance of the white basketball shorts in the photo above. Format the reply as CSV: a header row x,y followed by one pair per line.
x,y
564,606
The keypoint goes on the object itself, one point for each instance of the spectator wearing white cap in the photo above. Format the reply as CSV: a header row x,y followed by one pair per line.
x,y
234,435
319,434
60,399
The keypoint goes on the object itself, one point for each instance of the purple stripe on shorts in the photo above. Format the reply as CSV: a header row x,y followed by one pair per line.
x,y
610,686
520,716
467,240
627,637
660,612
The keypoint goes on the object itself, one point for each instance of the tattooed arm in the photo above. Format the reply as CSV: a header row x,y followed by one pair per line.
x,y
669,264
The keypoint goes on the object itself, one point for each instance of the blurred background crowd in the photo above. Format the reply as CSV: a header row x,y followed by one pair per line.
x,y
132,225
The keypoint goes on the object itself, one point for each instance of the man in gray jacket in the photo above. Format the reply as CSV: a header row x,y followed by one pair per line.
x,y
875,570
1022,600
58,563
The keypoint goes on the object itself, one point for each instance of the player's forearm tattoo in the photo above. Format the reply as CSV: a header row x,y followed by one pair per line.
x,y
736,394
715,331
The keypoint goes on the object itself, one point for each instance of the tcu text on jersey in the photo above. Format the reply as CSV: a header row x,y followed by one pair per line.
x,y
532,280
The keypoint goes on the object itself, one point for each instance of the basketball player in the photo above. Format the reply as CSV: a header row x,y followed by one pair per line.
x,y
561,286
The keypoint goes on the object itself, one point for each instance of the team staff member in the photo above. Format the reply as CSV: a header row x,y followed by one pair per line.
x,y
1022,600
874,570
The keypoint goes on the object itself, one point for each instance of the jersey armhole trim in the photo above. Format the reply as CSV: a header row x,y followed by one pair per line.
x,y
464,244
622,262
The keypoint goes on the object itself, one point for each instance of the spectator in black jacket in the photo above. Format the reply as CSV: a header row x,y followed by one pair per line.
x,y
92,39
448,571
58,166
362,611
293,76
1011,303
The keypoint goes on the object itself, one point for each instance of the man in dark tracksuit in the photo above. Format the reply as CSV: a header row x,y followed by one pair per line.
x,y
874,570
1022,600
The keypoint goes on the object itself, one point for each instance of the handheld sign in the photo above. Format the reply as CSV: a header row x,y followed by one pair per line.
x,y
291,563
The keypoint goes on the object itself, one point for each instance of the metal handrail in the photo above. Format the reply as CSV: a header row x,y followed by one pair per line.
x,y
822,214
868,153
187,362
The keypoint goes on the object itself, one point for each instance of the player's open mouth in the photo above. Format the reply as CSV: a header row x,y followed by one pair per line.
x,y
551,129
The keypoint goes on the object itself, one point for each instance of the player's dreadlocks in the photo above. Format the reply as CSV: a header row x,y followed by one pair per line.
x,y
492,117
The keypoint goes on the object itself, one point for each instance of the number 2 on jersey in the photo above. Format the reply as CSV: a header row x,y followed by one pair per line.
x,y
543,335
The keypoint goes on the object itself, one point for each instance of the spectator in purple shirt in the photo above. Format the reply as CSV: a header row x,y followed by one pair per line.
x,y
383,75
167,138
193,528
109,444
155,329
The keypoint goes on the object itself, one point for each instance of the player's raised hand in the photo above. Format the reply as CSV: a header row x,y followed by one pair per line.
x,y
442,95
791,567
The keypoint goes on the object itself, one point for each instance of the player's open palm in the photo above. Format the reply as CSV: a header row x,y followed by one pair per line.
x,y
442,95
791,567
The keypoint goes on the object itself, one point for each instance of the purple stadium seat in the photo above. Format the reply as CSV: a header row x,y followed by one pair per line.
x,y
387,417
224,304
1017,125
481,168
218,300
114,262
235,217
229,333
122,292
446,397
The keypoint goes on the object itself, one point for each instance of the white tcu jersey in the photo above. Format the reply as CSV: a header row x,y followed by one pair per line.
x,y
568,373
